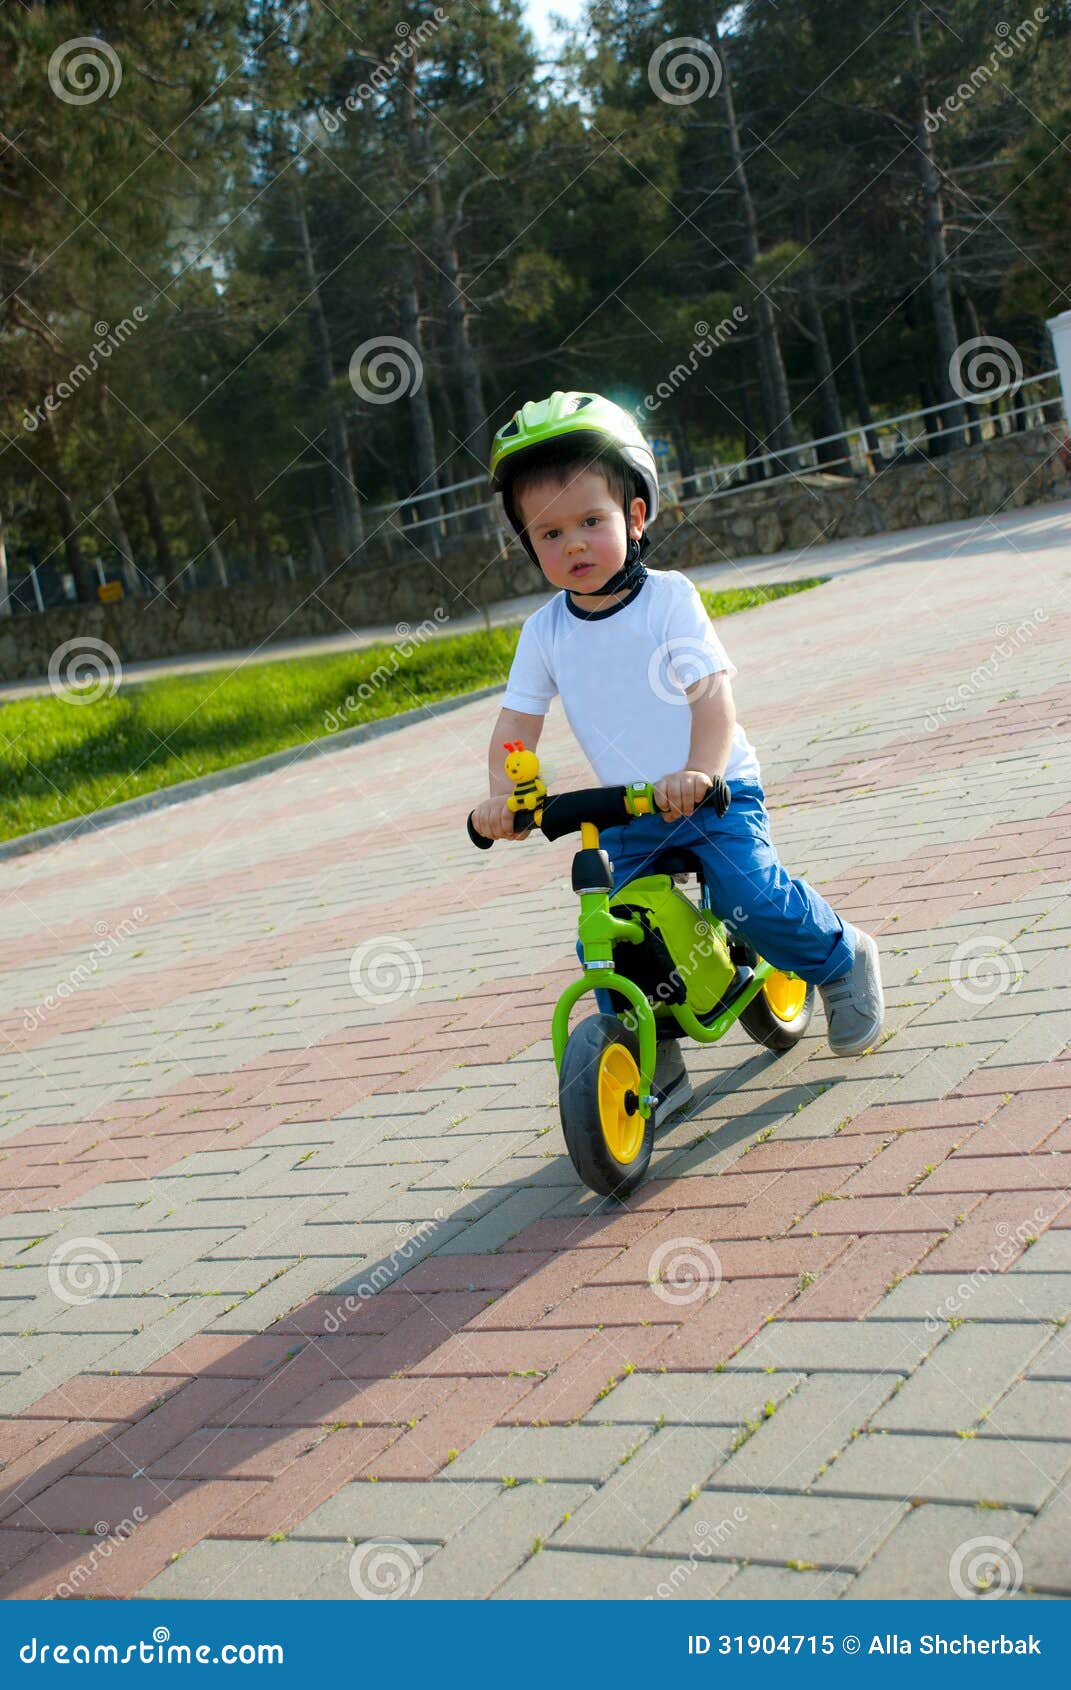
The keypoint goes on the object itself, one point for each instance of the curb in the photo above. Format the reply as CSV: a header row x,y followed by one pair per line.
x,y
184,790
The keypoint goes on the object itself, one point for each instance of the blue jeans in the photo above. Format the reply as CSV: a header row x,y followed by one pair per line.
x,y
785,919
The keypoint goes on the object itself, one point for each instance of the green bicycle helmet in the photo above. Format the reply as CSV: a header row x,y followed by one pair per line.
x,y
593,420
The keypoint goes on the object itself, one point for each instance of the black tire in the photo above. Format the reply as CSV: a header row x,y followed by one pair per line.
x,y
772,1030
759,1020
589,1049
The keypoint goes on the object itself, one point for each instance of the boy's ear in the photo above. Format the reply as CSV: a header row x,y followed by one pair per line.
x,y
640,516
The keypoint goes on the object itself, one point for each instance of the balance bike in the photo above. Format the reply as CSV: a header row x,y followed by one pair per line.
x,y
664,961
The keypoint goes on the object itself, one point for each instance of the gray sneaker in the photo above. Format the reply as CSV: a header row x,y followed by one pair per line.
x,y
855,1006
671,1084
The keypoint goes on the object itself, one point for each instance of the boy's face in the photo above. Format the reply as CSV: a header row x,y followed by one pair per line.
x,y
578,530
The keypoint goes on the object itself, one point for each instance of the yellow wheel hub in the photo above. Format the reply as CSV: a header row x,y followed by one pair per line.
x,y
617,1075
785,995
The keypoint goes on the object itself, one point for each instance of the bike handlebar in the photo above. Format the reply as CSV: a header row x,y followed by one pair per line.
x,y
605,806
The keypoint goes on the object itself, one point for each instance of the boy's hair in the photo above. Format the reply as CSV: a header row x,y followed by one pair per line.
x,y
561,460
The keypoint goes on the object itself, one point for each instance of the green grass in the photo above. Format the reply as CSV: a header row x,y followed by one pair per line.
x,y
59,759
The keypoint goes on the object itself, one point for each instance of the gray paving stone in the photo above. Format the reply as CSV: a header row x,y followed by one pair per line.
x,y
504,1221
1054,1361
996,1296
548,1452
691,1399
790,1447
1045,1547
428,1512
963,1377
560,1575
644,1494
951,1469
1037,1408
494,1545
785,1584
235,1569
779,1527
838,1346
1049,1254
918,1561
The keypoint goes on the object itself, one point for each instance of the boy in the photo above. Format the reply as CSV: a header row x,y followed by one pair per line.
x,y
645,683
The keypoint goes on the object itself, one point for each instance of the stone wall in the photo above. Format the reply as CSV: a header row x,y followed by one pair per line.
x,y
980,481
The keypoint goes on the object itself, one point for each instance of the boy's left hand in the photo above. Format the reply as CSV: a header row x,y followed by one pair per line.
x,y
677,795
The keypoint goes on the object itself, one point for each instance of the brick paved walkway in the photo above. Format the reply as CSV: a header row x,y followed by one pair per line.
x,y
334,1236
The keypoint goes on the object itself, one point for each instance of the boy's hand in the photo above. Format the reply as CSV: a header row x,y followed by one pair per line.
x,y
494,820
677,795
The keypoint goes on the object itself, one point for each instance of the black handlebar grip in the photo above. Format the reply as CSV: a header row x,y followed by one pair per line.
x,y
477,838
719,797
522,821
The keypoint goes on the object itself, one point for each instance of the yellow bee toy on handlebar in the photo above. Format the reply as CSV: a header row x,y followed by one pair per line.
x,y
658,955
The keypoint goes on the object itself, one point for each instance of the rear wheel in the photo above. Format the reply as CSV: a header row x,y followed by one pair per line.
x,y
608,1140
780,1014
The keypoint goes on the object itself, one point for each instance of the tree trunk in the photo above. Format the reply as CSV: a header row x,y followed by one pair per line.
x,y
685,461
831,417
855,366
5,594
776,400
940,289
131,579
209,540
345,504
154,516
476,444
315,547
427,475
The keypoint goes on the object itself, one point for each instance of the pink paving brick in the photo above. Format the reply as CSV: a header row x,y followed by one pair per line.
x,y
475,1273
472,1354
248,1452
788,1197
574,1386
96,1396
542,1290
700,1191
783,1155
766,1258
471,1409
1044,1170
617,1305
1026,1123
986,1082
137,1446
723,1324
996,1233
857,1282
557,1233
888,1118
379,1402
914,1213
219,1354
41,1466
908,1159
308,1481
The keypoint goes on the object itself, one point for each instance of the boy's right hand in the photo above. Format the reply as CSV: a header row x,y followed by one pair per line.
x,y
494,820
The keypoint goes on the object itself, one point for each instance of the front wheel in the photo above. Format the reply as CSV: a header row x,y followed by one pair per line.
x,y
780,1014
608,1140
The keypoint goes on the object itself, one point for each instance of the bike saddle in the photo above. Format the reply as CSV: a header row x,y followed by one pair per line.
x,y
675,859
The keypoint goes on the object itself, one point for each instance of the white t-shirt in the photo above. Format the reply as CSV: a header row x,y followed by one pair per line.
x,y
622,673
